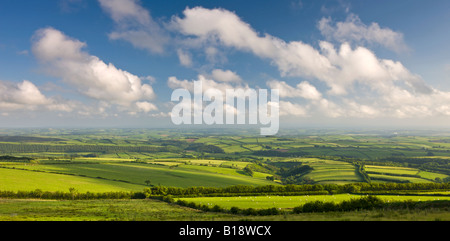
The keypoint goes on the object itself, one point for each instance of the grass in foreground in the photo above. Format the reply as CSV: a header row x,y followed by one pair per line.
x,y
153,210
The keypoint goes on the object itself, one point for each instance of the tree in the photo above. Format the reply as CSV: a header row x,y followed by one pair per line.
x,y
147,192
353,188
270,178
73,192
248,171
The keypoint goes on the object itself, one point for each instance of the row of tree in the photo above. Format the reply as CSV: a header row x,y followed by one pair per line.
x,y
72,194
295,189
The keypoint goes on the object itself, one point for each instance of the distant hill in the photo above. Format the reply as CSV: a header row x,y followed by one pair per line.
x,y
28,139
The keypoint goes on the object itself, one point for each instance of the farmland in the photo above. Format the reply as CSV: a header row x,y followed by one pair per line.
x,y
151,210
47,162
289,202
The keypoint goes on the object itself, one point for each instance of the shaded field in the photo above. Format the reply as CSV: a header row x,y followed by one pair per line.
x,y
153,210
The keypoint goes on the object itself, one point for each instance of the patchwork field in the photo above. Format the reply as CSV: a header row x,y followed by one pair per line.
x,y
101,161
328,171
135,176
401,174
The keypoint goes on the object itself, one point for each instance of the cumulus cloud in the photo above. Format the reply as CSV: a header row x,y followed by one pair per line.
x,y
353,30
296,59
304,90
135,25
26,96
207,83
225,76
64,57
393,102
212,89
359,83
360,65
288,108
353,80
146,106
221,25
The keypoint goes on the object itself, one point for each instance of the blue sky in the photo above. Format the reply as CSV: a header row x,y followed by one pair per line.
x,y
115,63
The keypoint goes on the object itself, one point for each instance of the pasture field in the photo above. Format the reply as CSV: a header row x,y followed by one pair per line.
x,y
153,210
129,174
23,180
328,171
289,202
401,174
98,210
126,156
122,160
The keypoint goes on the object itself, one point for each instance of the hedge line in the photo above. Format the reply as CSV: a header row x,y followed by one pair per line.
x,y
71,195
357,204
368,203
294,189
239,190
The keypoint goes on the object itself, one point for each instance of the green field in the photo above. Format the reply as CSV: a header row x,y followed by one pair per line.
x,y
15,180
151,210
121,174
131,160
289,202
413,175
327,171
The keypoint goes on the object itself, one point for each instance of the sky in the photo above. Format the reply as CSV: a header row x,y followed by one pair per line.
x,y
116,63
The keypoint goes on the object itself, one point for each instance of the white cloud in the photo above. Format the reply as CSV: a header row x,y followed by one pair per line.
x,y
207,83
25,96
225,76
64,57
184,58
135,25
126,11
360,65
360,84
25,93
355,81
297,59
288,108
222,91
353,30
392,102
213,55
225,25
303,90
219,25
146,106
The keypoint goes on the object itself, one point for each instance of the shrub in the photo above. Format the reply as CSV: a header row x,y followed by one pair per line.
x,y
369,202
216,208
234,210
